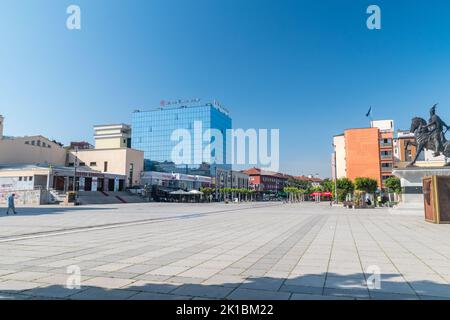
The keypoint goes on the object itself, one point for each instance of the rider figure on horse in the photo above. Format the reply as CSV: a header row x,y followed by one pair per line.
x,y
436,127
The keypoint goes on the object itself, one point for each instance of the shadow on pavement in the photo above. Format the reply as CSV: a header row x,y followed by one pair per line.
x,y
306,287
36,211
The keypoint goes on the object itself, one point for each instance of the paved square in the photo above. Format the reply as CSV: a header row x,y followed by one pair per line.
x,y
219,251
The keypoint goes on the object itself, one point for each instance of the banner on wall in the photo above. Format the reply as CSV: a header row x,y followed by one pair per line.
x,y
94,184
116,184
81,184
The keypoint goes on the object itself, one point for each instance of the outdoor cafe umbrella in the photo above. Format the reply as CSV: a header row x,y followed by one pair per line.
x,y
180,193
196,193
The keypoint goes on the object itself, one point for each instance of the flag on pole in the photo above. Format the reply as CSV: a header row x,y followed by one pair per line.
x,y
369,113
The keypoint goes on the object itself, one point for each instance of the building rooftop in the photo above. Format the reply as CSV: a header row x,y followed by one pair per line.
x,y
258,171
107,149
362,128
114,125
31,137
82,145
22,166
42,166
185,104
308,179
39,166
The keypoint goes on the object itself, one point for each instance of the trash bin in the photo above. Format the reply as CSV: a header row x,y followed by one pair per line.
x,y
436,193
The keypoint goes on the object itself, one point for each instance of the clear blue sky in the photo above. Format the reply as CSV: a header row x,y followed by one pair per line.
x,y
309,68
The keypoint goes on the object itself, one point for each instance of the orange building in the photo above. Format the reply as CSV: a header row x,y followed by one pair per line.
x,y
366,152
386,154
362,153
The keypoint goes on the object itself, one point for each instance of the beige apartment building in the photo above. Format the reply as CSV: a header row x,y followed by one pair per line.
x,y
30,149
112,136
112,154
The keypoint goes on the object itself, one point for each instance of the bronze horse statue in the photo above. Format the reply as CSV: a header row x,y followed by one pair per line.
x,y
424,141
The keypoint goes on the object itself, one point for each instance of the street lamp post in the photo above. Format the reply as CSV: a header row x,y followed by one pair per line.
x,y
231,177
75,169
215,181
231,183
335,176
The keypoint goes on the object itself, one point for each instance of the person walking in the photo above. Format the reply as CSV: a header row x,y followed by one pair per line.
x,y
11,206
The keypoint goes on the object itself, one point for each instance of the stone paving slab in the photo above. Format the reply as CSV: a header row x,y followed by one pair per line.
x,y
216,251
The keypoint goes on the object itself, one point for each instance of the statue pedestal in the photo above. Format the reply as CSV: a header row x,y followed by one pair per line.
x,y
411,180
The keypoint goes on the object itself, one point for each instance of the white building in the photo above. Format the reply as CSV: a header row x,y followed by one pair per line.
x,y
339,165
431,160
174,181
383,125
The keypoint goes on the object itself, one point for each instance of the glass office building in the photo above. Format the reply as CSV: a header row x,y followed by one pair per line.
x,y
152,131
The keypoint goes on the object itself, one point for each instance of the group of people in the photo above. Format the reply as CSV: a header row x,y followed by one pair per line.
x,y
11,206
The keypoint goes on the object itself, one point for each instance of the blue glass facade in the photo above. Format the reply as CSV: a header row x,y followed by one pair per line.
x,y
152,131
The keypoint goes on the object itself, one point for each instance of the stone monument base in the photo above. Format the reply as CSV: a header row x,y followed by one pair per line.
x,y
411,180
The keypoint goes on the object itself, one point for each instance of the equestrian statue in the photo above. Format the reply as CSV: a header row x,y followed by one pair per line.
x,y
430,136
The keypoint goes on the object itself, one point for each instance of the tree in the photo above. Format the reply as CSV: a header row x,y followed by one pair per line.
x,y
304,185
327,185
393,184
207,192
367,185
226,193
292,193
344,187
